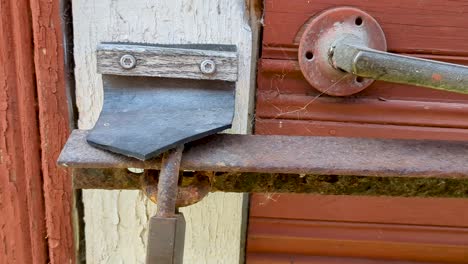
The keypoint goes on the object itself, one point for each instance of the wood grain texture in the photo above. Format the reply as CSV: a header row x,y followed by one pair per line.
x,y
170,62
22,224
347,229
54,126
116,221
425,26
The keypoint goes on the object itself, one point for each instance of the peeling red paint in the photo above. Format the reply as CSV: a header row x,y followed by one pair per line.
x,y
54,128
22,225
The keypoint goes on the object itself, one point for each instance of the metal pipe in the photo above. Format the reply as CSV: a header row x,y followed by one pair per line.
x,y
350,55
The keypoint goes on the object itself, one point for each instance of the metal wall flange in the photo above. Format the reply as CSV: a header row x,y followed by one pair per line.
x,y
316,48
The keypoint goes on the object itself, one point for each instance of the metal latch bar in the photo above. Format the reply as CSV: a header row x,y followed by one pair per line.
x,y
293,154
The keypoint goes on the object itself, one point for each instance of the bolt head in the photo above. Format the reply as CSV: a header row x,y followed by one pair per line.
x,y
127,61
208,67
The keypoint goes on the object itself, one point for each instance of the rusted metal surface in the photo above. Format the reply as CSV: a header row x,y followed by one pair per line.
x,y
189,192
168,181
291,154
320,35
166,233
195,185
342,52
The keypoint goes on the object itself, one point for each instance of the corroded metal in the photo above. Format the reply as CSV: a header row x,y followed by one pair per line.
x,y
342,51
293,154
354,57
280,183
316,43
189,193
168,181
166,233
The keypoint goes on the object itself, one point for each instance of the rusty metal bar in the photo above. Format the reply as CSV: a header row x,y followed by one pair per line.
x,y
168,180
350,55
293,155
195,185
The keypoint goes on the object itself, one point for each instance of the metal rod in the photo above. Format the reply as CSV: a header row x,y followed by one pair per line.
x,y
168,180
354,57
117,179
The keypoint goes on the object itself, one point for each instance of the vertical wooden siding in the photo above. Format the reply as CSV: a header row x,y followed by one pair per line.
x,y
22,225
35,196
54,127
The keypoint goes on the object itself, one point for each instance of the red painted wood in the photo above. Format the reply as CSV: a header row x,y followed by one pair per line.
x,y
22,227
284,94
342,229
348,129
383,210
54,128
328,229
425,26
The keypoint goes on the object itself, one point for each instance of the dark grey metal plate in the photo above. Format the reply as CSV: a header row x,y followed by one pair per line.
x,y
144,116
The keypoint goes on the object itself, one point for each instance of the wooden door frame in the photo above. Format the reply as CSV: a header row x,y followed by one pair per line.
x,y
35,194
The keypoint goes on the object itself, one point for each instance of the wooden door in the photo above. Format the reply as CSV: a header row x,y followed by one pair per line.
x,y
340,229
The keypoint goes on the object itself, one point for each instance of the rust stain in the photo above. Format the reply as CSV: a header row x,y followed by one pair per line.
x,y
436,77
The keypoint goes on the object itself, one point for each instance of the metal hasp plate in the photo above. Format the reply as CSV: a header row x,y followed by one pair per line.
x,y
159,96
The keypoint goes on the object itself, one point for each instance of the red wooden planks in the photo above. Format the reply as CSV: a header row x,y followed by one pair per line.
x,y
342,229
426,26
332,228
54,128
22,226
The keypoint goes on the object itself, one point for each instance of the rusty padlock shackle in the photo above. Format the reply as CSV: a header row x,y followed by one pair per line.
x,y
343,50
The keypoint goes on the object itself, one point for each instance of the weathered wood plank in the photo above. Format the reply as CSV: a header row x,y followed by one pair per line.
x,y
54,126
22,218
171,62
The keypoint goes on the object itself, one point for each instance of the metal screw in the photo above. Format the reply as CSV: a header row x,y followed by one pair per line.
x,y
208,67
127,61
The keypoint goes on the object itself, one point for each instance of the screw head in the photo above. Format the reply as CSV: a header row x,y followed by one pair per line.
x,y
127,61
208,67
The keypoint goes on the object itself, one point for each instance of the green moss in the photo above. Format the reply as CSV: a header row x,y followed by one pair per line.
x,y
340,185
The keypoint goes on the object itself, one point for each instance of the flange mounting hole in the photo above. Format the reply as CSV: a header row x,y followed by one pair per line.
x,y
358,21
359,79
309,55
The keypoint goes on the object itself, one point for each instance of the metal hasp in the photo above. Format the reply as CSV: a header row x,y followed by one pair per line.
x,y
342,51
159,96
